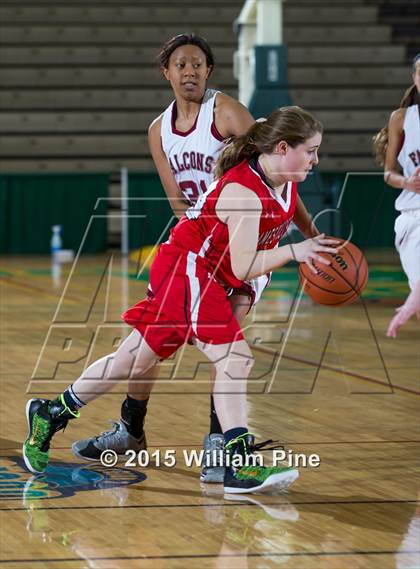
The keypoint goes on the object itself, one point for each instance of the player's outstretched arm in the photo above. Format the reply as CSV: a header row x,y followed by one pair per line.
x,y
240,208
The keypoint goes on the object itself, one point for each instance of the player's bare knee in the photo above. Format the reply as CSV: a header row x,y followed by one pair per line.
x,y
237,367
140,368
245,365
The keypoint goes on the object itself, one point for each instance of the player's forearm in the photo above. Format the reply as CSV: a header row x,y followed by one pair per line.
x,y
305,225
394,179
303,220
252,265
179,206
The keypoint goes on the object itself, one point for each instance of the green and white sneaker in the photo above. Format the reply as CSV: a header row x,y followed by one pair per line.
x,y
253,479
44,418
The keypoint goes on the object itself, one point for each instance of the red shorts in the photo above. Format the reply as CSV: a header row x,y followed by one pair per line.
x,y
186,302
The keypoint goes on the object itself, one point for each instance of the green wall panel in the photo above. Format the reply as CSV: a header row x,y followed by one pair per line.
x,y
368,204
31,203
150,215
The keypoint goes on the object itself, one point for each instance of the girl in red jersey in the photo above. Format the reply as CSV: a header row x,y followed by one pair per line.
x,y
231,235
185,141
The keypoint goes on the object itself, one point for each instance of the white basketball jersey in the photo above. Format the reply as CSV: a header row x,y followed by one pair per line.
x,y
192,154
409,157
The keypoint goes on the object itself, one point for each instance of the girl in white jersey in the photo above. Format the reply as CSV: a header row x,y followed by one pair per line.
x,y
398,149
187,138
185,142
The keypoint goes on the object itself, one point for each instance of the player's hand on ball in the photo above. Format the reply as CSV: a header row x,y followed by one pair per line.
x,y
308,251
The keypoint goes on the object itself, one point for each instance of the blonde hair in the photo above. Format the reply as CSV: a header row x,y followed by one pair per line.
x,y
291,124
380,140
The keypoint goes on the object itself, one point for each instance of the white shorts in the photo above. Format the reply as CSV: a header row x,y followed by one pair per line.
x,y
253,289
407,243
259,285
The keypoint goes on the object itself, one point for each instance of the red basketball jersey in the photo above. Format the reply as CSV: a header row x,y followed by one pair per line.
x,y
201,232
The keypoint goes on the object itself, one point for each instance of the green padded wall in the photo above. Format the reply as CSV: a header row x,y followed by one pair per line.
x,y
271,82
149,210
31,203
368,203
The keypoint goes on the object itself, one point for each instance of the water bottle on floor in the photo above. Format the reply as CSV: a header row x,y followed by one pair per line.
x,y
56,241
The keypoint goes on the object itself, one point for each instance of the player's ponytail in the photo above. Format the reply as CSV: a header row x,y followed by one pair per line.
x,y
237,149
410,97
380,144
380,140
291,124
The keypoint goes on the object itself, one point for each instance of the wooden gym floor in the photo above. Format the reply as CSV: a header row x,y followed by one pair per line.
x,y
326,382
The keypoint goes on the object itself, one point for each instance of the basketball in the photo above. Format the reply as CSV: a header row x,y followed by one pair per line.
x,y
339,283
